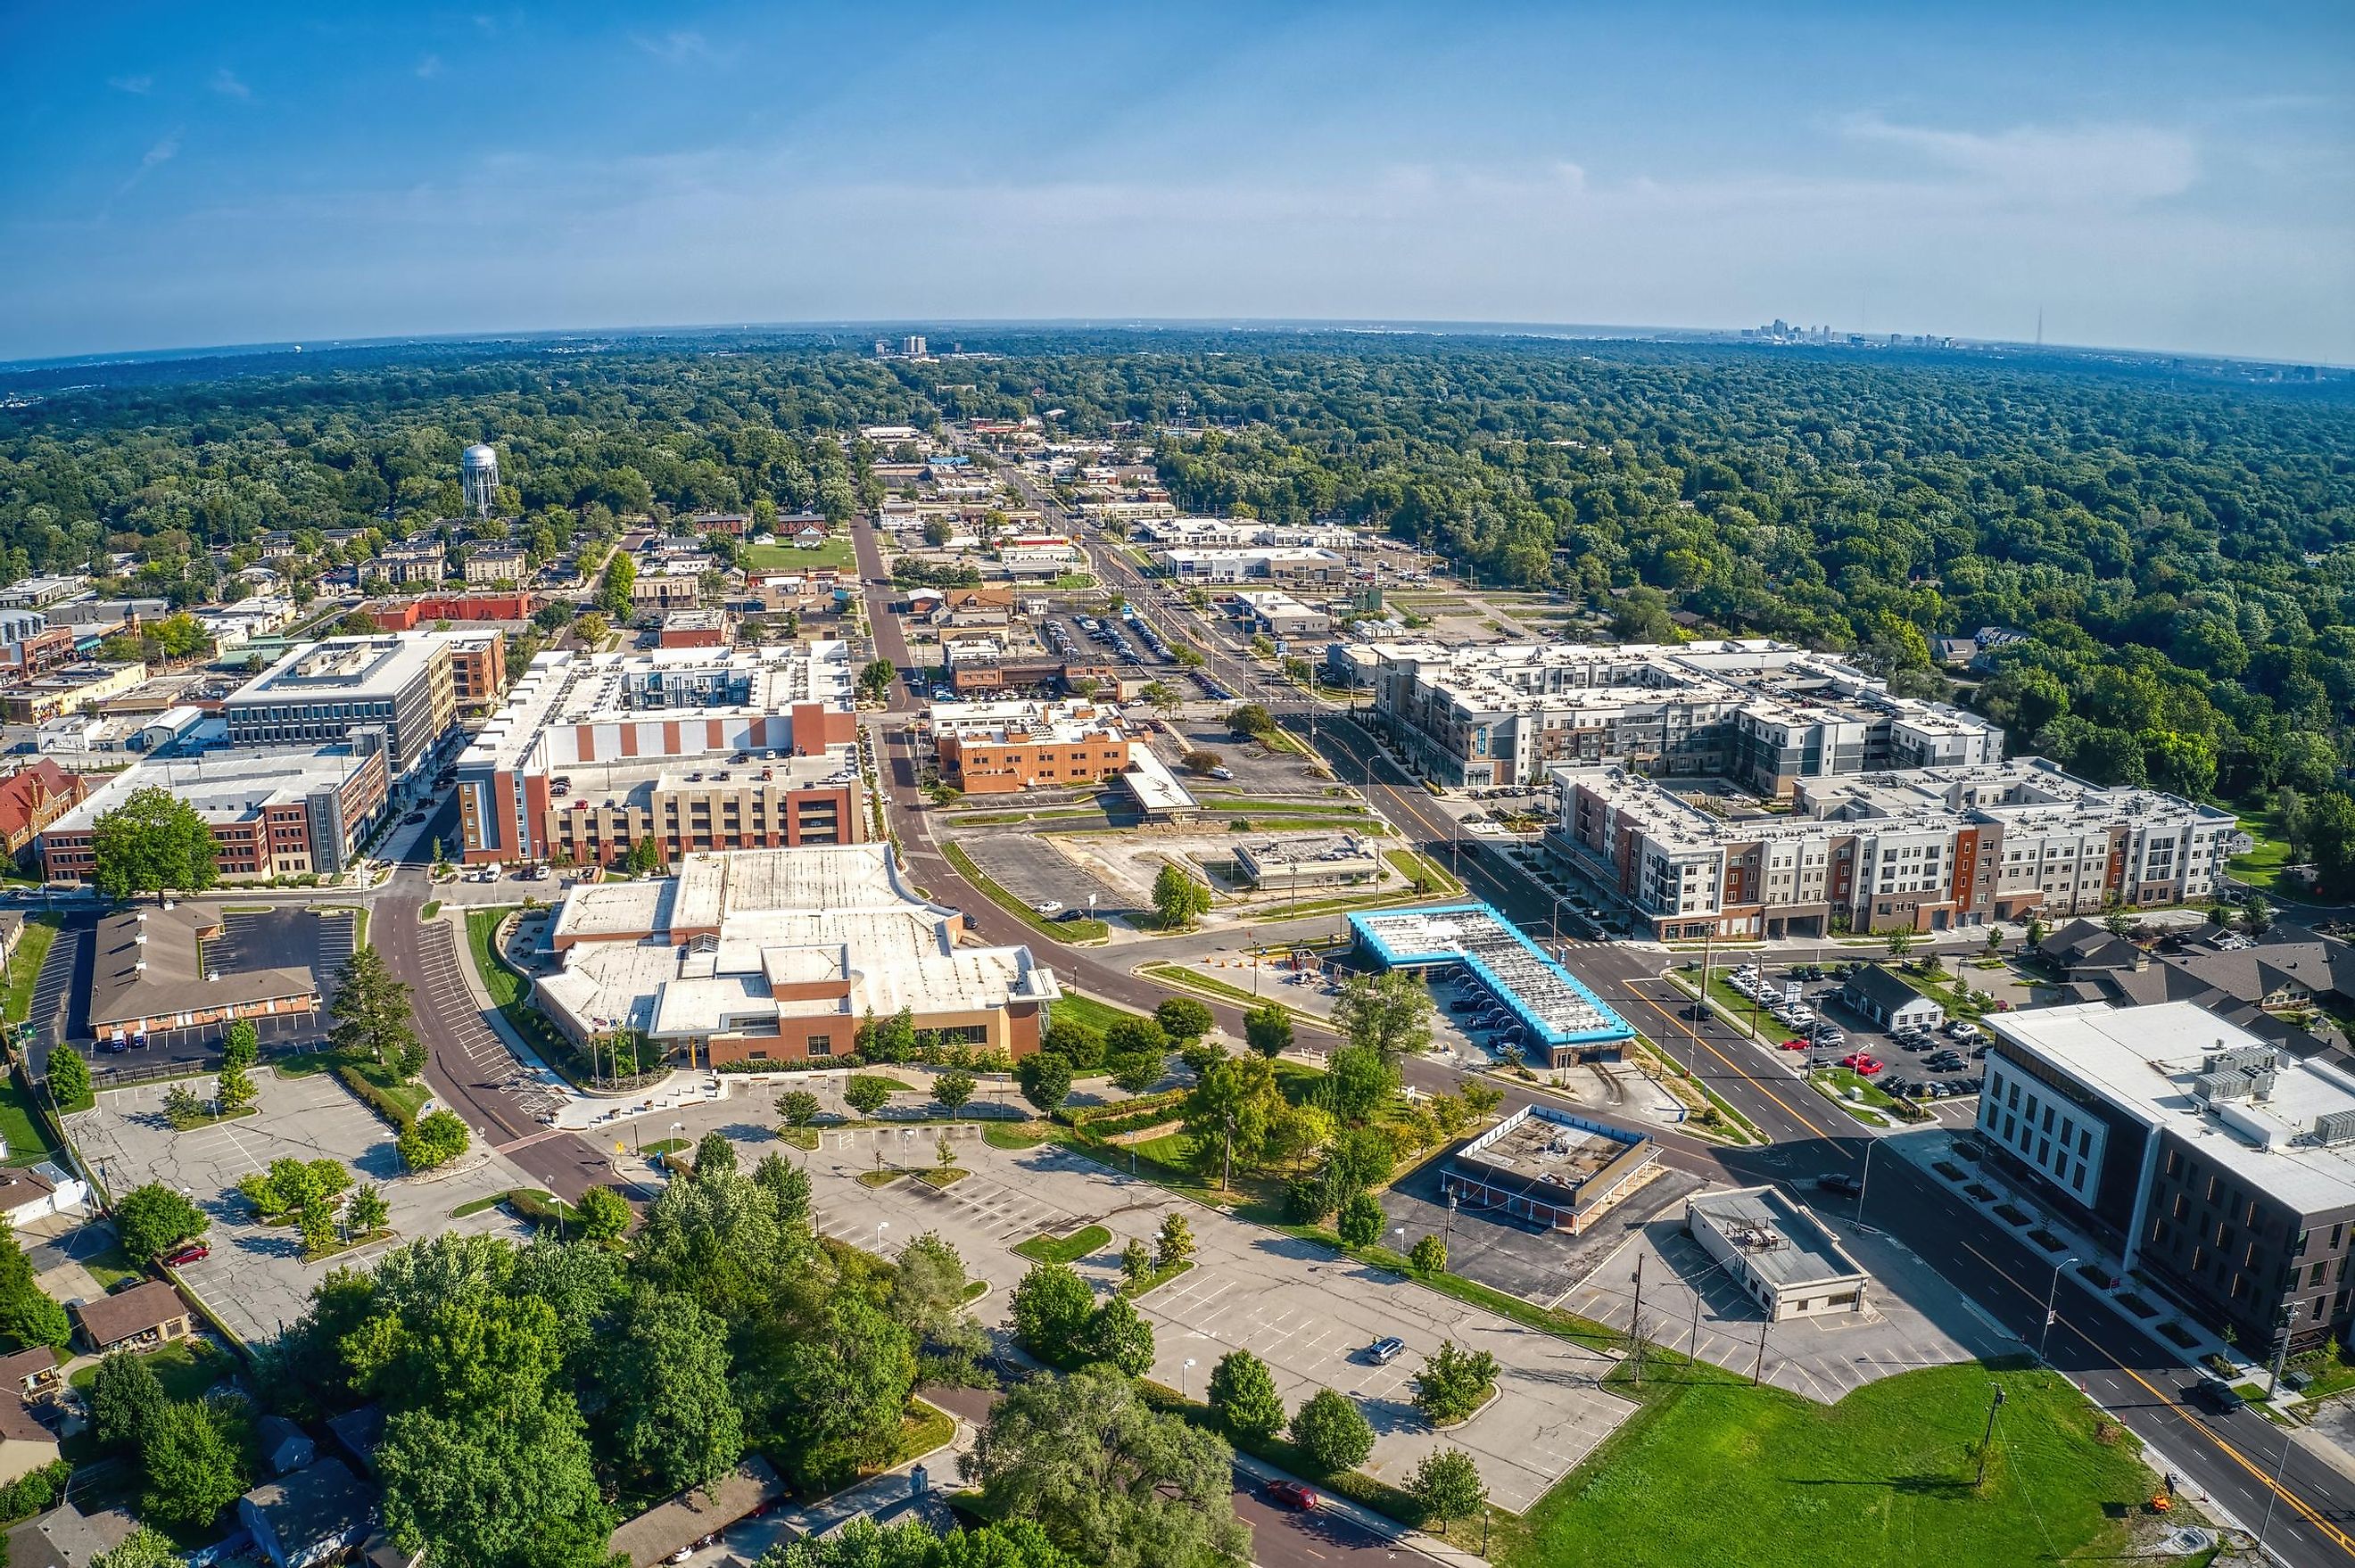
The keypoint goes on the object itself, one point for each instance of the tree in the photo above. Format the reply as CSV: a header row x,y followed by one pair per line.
x,y
1116,1335
1357,1082
1447,1484
68,1077
1429,1254
936,532
1361,1220
241,1046
1994,940
1250,718
613,592
372,1014
1050,1305
1046,1080
1160,695
672,1418
1198,760
510,1485
1138,1071
592,628
124,1395
28,1316
2037,930
1183,1019
1178,898
876,679
1231,1106
153,842
191,1467
2257,914
1242,1395
1453,1383
714,1155
1108,1478
927,1287
604,1215
867,1094
1481,1101
154,1220
1135,1264
182,1109
2119,921
952,1091
797,1108
437,1138
1174,1243
366,1211
1268,1029
233,1088
1389,1013
1331,1432
1080,1045
316,1222
1900,942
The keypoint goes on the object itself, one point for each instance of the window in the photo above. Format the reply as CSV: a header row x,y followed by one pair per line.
x,y
820,1045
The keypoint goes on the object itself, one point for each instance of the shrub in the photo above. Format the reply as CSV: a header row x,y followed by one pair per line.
x,y
1183,1019
1428,1255
1361,1220
1051,1307
438,1139
1453,1383
1331,1432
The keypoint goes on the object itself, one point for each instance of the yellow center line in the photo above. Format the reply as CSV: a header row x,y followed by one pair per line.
x,y
1739,1070
2338,1538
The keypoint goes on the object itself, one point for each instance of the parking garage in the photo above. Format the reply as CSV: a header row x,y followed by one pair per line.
x,y
1560,1021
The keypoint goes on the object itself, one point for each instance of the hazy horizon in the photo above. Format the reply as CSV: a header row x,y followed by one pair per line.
x,y
2157,178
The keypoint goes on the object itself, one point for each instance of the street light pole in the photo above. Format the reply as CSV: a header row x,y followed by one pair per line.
x,y
2051,1294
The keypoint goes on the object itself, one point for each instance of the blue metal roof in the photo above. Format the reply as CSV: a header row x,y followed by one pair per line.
x,y
1553,1005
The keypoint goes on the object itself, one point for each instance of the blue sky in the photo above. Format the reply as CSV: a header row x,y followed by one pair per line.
x,y
2156,176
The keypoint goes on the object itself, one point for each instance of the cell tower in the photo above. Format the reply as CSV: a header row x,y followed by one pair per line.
x,y
478,473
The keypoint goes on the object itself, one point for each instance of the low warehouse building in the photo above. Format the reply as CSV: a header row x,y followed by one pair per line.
x,y
1785,1257
1548,1166
1333,860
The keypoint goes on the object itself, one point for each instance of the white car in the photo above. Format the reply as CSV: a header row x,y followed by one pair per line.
x,y
1049,906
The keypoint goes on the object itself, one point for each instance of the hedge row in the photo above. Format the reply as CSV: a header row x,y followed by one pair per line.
x,y
394,1115
1142,1112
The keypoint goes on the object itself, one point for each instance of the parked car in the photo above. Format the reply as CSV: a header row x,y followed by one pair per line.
x,y
2217,1394
1385,1351
194,1252
1859,1062
1795,1043
1292,1494
1048,906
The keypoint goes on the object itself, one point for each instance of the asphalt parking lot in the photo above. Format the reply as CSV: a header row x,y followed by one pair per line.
x,y
1036,872
1914,1318
1258,771
1861,1035
1306,1313
1518,1257
256,1279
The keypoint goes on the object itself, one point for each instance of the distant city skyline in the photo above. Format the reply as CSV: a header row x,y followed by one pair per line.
x,y
2158,177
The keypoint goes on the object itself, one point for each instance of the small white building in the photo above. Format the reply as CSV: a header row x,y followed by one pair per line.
x,y
1786,1259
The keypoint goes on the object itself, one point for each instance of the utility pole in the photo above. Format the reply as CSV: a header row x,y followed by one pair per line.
x,y
1988,1442
1636,1325
1759,1366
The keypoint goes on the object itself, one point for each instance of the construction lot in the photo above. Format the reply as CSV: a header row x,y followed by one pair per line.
x,y
256,1279
1308,1314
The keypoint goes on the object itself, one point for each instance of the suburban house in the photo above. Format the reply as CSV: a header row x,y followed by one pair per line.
x,y
680,1521
316,1514
1880,995
26,1446
65,1537
30,1192
139,1319
32,1374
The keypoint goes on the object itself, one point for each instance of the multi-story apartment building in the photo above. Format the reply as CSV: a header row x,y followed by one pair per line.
x,y
478,667
695,748
2218,1164
1763,713
498,563
406,564
1003,748
659,590
273,814
1923,850
70,689
320,692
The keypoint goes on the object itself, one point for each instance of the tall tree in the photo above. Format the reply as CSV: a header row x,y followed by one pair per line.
x,y
1389,1013
673,1418
373,1016
154,842
28,1317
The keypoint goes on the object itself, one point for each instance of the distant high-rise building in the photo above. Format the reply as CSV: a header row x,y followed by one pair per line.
x,y
913,347
479,472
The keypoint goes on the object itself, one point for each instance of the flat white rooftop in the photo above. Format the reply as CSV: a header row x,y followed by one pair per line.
x,y
225,786
2147,1060
574,690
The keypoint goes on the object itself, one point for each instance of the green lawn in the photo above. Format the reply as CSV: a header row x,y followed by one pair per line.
x,y
25,964
1088,1011
1715,1471
111,1267
1014,1140
504,985
26,1143
836,552
1173,1149
1044,1248
2262,866
185,1368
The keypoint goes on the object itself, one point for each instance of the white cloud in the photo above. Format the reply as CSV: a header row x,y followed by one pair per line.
x,y
430,67
2122,165
226,83
132,84
162,152
679,48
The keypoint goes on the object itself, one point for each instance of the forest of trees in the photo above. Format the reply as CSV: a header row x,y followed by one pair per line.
x,y
2178,551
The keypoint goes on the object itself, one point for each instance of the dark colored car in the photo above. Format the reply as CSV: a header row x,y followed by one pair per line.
x,y
1292,1494
1845,1186
2217,1394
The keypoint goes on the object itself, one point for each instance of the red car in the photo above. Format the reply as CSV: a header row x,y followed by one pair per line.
x,y
1859,1062
194,1252
1795,1045
1292,1494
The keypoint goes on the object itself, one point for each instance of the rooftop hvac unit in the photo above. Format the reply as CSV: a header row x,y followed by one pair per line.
x,y
2213,1088
2240,1058
2261,1085
2333,1127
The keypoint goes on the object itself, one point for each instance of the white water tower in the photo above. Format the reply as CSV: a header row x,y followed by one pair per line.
x,y
479,472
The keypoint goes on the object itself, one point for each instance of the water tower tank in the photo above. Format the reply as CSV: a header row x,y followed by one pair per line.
x,y
478,473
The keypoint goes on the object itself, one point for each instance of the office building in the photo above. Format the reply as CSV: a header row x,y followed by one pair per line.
x,y
321,692
2217,1164
697,748
273,813
1258,563
780,955
70,689
152,973
1002,748
1546,1167
1786,1259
